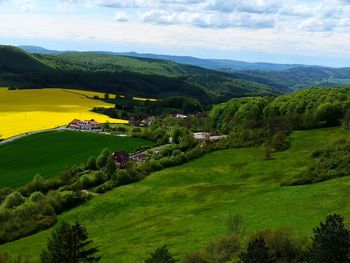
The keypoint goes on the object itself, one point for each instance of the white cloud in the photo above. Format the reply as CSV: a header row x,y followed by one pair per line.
x,y
121,17
66,6
25,5
255,14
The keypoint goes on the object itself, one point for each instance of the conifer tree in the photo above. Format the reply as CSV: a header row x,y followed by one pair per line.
x,y
331,242
69,244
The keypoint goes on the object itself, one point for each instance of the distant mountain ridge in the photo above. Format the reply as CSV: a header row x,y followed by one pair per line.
x,y
281,77
222,64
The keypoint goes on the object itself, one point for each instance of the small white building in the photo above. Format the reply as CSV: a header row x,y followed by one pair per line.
x,y
181,116
201,135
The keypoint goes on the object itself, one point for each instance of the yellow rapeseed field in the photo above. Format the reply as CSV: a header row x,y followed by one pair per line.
x,y
24,111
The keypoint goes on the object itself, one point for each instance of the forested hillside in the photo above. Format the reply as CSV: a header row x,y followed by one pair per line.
x,y
299,77
125,75
309,108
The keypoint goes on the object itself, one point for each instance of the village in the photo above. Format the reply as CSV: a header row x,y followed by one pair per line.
x,y
121,158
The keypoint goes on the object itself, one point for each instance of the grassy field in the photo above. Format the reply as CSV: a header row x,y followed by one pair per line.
x,y
49,153
23,111
187,206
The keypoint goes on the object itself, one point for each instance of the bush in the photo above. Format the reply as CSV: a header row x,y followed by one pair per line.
x,y
5,191
161,255
222,250
91,163
14,199
195,257
280,141
36,197
155,165
106,186
85,181
281,245
65,188
102,158
37,184
257,251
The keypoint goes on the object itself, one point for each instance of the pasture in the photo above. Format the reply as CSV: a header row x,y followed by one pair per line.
x,y
24,111
187,206
49,153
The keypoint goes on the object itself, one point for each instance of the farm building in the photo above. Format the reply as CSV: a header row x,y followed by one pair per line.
x,y
143,123
121,159
84,125
139,157
181,116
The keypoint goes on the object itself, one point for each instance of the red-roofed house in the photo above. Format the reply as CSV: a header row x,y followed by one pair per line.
x,y
84,125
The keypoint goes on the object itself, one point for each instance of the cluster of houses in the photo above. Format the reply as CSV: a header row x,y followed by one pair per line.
x,y
87,125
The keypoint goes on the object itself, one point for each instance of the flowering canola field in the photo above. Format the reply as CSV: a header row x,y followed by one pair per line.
x,y
24,111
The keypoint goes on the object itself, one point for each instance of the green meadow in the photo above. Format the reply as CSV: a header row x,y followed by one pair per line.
x,y
187,206
51,152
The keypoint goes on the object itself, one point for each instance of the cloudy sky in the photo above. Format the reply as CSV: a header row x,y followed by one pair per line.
x,y
283,31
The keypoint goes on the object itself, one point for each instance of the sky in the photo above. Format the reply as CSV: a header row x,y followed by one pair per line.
x,y
278,31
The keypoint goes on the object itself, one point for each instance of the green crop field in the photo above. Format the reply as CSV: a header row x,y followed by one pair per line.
x,y
49,153
187,206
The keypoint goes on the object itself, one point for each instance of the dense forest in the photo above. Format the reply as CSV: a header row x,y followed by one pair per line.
x,y
306,109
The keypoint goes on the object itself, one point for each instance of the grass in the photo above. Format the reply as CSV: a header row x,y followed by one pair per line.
x,y
49,153
187,206
23,111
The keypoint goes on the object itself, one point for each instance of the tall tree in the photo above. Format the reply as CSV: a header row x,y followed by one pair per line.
x,y
331,242
69,244
257,251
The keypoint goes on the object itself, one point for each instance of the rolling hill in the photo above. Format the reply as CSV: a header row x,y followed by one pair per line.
x,y
119,74
282,77
187,206
299,77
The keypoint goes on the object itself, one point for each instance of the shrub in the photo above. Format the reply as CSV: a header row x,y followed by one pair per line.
x,y
194,257
65,188
37,184
281,245
106,186
36,197
222,250
14,199
91,163
161,255
279,141
257,251
102,158
235,224
5,191
85,181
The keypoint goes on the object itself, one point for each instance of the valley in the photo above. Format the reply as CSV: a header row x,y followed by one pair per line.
x,y
144,153
188,205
